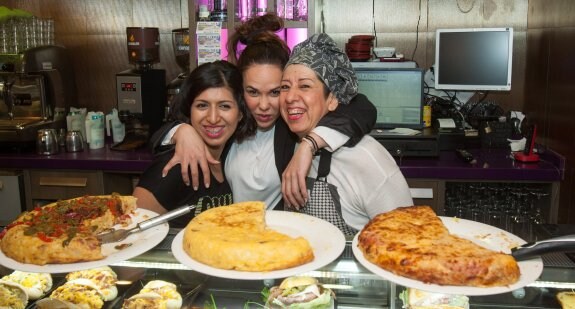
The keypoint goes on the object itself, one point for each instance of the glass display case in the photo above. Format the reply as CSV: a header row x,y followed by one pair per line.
x,y
354,285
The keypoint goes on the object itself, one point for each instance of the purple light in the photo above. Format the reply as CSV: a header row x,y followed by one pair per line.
x,y
262,7
223,44
295,36
244,10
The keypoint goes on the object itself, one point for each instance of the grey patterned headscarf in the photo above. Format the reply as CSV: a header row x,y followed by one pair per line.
x,y
320,53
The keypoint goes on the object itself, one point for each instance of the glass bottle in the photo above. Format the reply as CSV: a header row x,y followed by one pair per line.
x,y
285,9
62,137
300,10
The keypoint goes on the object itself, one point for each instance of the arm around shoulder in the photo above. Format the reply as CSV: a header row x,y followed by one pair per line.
x,y
157,140
355,119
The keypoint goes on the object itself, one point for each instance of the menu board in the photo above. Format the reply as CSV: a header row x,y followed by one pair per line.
x,y
209,39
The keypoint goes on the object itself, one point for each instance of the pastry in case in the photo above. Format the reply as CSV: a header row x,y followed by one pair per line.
x,y
155,294
36,285
103,277
75,294
12,295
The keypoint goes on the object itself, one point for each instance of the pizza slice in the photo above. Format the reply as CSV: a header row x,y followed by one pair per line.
x,y
413,242
65,231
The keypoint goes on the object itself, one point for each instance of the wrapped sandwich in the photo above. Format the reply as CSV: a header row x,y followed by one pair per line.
x,y
418,299
300,293
12,295
155,294
103,277
84,289
566,299
36,285
74,294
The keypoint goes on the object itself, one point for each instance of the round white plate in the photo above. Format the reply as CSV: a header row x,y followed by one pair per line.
x,y
482,234
141,242
326,240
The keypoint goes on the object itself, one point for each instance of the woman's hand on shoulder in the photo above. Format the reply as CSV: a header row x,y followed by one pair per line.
x,y
190,152
294,188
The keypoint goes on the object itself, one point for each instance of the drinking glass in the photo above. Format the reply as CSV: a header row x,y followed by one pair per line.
x,y
536,215
508,208
522,226
13,46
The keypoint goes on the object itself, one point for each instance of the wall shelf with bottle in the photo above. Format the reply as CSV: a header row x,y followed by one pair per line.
x,y
299,15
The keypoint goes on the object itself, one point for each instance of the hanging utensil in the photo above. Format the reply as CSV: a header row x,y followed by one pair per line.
x,y
121,234
533,249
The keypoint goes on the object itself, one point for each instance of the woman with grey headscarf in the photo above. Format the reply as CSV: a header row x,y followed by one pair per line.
x,y
351,185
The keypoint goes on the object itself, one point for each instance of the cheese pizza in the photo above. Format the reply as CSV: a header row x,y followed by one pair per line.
x,y
236,237
413,242
65,231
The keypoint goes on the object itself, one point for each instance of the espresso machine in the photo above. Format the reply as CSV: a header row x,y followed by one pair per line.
x,y
36,89
181,42
141,91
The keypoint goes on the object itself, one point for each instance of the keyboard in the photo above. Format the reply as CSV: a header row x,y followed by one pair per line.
x,y
394,132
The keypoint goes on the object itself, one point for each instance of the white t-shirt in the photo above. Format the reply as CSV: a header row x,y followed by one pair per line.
x,y
251,170
368,181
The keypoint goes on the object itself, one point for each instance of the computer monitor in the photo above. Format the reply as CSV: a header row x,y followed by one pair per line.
x,y
475,59
397,94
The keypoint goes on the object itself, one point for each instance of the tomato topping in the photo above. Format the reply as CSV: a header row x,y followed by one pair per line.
x,y
43,237
13,224
112,207
66,219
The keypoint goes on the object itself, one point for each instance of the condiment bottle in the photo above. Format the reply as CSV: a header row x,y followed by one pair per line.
x,y
95,130
115,127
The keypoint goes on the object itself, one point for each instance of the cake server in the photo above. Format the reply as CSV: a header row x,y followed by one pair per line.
x,y
533,249
121,234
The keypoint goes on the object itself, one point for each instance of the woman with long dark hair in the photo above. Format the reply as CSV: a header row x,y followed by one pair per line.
x,y
211,101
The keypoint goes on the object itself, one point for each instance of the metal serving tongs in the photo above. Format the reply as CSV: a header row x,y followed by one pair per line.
x,y
557,244
121,234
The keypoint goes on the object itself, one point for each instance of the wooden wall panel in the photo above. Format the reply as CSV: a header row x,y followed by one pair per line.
x,y
561,108
109,16
94,32
551,14
550,87
396,24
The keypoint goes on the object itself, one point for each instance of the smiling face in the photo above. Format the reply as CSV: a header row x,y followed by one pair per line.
x,y
215,115
302,100
262,91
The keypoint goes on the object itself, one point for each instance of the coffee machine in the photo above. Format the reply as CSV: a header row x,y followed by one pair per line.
x,y
181,42
141,91
36,89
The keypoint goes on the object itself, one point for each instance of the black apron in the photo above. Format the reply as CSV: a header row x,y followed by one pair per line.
x,y
324,201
